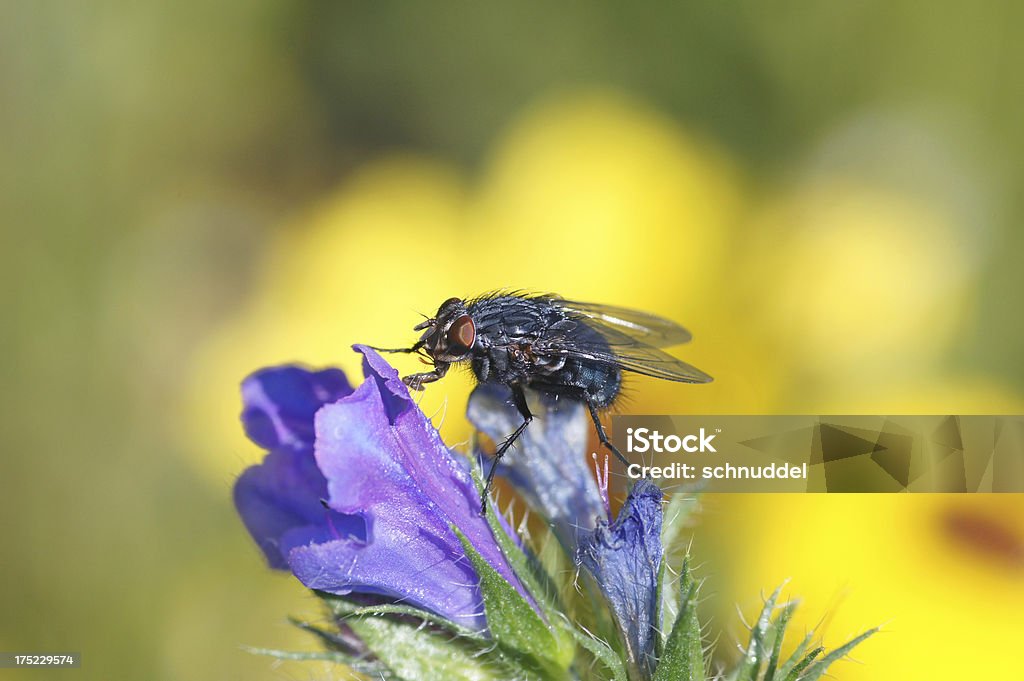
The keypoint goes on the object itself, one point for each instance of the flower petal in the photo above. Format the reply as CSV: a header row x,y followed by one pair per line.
x,y
280,403
549,464
385,462
283,493
625,559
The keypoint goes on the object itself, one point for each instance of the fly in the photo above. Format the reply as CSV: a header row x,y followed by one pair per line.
x,y
555,346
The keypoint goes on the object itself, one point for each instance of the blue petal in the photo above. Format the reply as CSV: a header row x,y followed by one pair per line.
x,y
280,403
284,492
384,460
548,465
394,492
625,559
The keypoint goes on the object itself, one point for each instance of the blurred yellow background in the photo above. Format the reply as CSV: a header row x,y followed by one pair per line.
x,y
826,196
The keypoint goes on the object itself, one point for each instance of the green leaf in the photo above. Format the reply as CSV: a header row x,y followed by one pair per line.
x,y
513,622
821,666
803,664
683,659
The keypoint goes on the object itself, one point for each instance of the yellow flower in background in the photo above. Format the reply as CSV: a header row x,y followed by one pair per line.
x,y
863,291
942,573
613,199
594,197
931,395
863,286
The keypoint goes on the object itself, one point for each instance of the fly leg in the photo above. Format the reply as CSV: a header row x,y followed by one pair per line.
x,y
603,436
519,397
415,348
417,381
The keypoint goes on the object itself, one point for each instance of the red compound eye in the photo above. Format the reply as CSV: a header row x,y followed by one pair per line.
x,y
462,333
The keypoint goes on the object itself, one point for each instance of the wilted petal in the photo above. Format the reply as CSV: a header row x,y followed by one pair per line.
x,y
548,465
625,558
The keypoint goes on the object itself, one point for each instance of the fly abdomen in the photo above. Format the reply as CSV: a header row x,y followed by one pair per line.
x,y
592,382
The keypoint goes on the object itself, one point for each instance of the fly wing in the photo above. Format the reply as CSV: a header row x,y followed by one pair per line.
x,y
624,343
644,327
654,362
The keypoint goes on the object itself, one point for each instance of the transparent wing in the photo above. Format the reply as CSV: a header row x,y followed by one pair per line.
x,y
642,326
627,338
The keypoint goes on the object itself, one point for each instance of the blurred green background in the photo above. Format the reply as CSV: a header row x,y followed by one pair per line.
x,y
827,195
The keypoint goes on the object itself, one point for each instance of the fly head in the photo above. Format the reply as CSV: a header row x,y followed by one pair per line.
x,y
450,335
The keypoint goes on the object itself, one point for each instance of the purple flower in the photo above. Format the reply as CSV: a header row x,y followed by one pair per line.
x,y
282,496
362,497
548,465
625,558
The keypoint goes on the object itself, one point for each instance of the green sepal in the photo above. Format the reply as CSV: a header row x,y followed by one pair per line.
x,y
514,624
779,633
529,572
535,579
803,664
678,516
757,652
601,652
341,607
301,655
662,585
683,657
415,654
669,599
407,650
816,670
795,657
342,654
411,651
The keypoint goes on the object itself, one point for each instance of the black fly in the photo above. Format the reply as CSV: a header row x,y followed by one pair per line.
x,y
554,346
